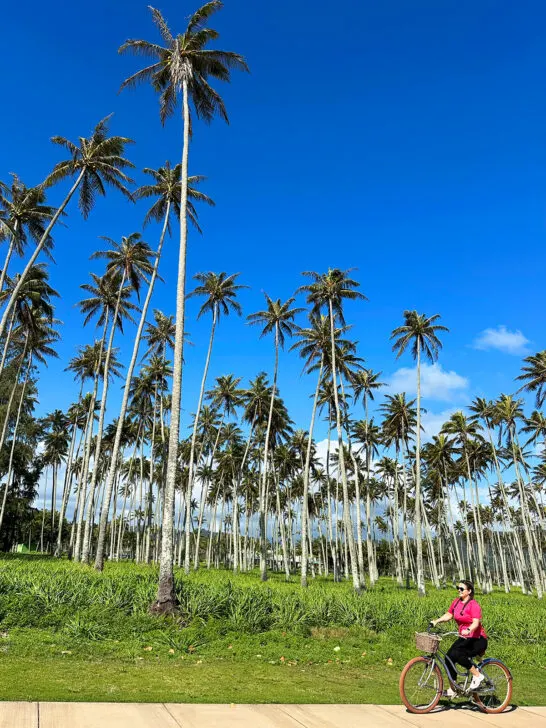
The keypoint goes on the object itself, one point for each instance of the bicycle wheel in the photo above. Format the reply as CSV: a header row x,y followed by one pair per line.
x,y
421,685
496,691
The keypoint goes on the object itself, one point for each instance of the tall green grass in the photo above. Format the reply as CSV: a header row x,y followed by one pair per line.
x,y
45,593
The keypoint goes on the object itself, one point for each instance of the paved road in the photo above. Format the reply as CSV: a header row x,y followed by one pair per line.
x,y
170,715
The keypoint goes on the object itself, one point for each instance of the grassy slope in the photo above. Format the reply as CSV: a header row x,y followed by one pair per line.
x,y
221,661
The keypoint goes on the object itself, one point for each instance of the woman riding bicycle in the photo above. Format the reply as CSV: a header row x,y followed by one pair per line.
x,y
473,641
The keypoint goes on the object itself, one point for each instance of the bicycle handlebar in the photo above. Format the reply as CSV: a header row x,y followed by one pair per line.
x,y
443,634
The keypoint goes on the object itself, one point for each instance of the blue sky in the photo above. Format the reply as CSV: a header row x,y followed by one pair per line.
x,y
403,139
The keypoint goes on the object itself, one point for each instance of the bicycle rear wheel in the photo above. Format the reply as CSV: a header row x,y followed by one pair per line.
x,y
421,685
496,691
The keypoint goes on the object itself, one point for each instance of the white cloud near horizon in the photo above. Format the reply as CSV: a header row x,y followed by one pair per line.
x,y
436,382
502,339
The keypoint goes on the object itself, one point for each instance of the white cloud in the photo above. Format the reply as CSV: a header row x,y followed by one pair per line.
x,y
432,422
436,383
502,339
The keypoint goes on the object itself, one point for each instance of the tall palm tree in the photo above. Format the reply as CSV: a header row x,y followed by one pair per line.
x,y
39,337
330,290
467,435
508,411
23,215
96,161
314,348
534,376
398,426
167,191
277,318
365,382
110,301
219,291
160,334
421,332
484,411
34,296
182,66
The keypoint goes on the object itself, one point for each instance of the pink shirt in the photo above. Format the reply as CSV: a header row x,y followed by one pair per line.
x,y
464,614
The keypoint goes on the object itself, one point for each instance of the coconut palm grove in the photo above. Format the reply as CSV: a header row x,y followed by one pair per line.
x,y
184,499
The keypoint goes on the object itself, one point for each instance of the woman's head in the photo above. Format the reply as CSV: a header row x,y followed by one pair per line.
x,y
465,589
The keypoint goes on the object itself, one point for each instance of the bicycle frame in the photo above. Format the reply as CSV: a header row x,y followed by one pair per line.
x,y
442,658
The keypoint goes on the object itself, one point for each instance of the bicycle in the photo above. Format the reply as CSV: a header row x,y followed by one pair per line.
x,y
422,683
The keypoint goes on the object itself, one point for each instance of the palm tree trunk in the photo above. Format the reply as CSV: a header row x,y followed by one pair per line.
x,y
454,534
263,483
359,550
8,258
68,477
7,340
96,456
306,478
99,558
5,424
187,554
53,499
166,597
341,460
211,526
13,441
150,483
36,253
418,530
43,515
87,452
531,554
372,566
396,526
286,562
333,543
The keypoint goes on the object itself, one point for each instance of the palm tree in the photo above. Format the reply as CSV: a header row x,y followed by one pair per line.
x,y
329,290
34,297
365,382
507,412
313,346
398,426
467,434
534,376
110,299
96,161
421,333
183,67
160,334
220,291
277,318
167,191
484,410
23,215
38,336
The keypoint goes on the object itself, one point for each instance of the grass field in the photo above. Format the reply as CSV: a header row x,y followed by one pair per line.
x,y
68,633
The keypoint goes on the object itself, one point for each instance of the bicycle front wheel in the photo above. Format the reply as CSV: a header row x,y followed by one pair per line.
x,y
496,690
421,685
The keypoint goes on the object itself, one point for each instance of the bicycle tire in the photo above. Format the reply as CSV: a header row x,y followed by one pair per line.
x,y
420,710
502,707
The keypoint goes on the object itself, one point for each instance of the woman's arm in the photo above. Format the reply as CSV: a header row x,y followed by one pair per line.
x,y
444,618
471,627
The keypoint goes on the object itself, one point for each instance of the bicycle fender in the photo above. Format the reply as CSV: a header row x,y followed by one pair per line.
x,y
495,659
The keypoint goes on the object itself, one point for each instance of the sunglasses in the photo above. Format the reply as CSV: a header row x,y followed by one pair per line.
x,y
461,588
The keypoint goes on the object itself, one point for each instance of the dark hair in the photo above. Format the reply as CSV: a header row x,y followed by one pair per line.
x,y
469,585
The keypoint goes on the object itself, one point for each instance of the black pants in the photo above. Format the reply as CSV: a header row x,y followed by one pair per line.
x,y
462,650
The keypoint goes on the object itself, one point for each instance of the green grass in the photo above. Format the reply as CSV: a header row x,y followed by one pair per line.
x,y
68,633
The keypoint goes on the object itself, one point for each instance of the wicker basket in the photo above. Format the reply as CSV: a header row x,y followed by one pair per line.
x,y
427,642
